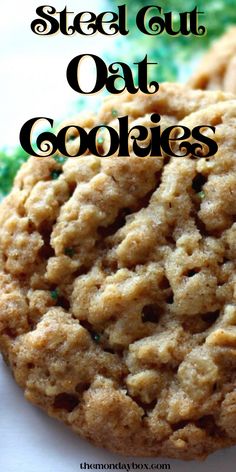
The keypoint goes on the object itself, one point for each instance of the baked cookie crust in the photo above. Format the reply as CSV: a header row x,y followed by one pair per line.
x,y
117,286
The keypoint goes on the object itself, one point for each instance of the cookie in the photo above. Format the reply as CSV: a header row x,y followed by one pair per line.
x,y
217,70
117,283
173,102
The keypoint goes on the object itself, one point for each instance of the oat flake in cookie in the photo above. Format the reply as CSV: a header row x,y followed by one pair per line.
x,y
117,305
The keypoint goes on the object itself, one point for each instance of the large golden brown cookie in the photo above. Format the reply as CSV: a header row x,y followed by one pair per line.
x,y
217,70
117,288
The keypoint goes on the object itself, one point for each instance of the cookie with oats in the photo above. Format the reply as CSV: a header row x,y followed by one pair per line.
x,y
117,287
217,70
173,102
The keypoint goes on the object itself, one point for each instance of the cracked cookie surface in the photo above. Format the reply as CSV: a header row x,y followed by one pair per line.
x,y
117,306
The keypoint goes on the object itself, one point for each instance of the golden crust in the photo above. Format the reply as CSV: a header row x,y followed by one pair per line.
x,y
117,307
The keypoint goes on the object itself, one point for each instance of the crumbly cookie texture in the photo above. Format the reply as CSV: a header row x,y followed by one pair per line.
x,y
173,102
117,287
217,70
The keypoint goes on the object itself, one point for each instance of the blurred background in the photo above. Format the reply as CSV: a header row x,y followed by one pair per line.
x,y
33,68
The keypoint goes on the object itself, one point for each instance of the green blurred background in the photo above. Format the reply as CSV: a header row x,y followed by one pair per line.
x,y
176,56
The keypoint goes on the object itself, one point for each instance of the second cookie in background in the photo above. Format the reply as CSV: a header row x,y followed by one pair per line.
x,y
217,70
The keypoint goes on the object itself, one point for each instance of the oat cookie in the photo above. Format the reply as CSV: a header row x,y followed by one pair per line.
x,y
117,287
217,70
173,102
